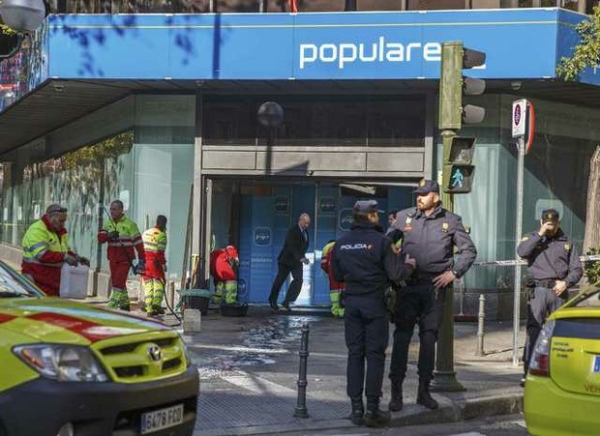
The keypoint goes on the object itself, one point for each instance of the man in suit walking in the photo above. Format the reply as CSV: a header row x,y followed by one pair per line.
x,y
290,260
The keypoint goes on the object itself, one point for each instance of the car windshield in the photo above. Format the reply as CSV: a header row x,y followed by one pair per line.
x,y
13,285
589,297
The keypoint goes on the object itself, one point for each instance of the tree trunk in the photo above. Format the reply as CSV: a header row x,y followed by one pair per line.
x,y
592,219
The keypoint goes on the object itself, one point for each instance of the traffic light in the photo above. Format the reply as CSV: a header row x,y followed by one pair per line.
x,y
458,168
453,86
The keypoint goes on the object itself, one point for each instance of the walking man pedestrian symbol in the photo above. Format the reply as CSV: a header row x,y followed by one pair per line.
x,y
457,178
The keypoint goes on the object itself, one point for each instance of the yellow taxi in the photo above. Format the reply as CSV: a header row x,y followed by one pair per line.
x,y
562,388
69,368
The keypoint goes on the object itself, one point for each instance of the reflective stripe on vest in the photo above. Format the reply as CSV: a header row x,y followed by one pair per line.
x,y
129,234
155,240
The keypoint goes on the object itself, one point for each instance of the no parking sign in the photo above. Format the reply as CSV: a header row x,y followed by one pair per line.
x,y
523,122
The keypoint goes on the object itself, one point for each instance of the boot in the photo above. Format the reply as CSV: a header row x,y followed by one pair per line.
x,y
377,418
396,403
358,411
424,398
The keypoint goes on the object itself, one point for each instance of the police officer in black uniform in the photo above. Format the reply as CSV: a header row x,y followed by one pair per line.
x,y
429,233
366,261
554,267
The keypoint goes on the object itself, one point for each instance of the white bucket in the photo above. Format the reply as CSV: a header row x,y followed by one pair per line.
x,y
192,320
73,281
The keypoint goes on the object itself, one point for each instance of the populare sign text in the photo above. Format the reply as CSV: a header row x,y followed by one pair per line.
x,y
379,51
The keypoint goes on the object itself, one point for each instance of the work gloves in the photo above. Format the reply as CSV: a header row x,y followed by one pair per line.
x,y
140,267
75,260
83,260
113,236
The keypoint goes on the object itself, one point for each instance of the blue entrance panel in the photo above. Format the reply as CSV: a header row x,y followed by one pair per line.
x,y
281,207
256,248
265,221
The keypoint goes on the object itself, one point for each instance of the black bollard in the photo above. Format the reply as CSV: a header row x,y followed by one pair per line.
x,y
301,411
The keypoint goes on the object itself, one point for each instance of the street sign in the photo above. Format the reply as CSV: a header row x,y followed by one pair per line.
x,y
519,118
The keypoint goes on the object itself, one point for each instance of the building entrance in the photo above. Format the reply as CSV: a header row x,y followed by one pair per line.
x,y
255,217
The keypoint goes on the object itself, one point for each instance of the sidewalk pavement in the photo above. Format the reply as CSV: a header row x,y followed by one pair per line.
x,y
249,371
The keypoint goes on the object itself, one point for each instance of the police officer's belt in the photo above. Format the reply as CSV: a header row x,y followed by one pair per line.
x,y
547,283
419,280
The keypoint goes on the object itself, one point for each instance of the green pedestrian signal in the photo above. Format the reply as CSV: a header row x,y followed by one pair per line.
x,y
458,165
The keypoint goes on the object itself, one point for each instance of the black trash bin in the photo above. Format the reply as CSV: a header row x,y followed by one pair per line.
x,y
234,309
196,299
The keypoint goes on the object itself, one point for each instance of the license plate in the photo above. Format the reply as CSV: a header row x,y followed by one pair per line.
x,y
161,419
596,364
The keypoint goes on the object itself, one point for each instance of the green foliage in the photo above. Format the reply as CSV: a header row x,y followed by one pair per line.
x,y
587,52
592,269
94,155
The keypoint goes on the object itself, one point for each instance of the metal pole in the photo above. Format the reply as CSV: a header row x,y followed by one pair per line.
x,y
444,376
461,296
480,333
301,410
518,233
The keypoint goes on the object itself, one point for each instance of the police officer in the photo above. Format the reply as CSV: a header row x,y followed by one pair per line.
x,y
366,261
554,267
429,233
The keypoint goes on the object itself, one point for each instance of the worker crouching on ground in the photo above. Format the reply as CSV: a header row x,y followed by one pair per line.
x,y
224,263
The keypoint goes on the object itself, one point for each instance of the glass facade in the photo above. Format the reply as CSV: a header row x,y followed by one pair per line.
x,y
79,180
163,162
149,168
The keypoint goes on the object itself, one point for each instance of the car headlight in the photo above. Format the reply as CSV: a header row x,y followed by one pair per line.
x,y
62,362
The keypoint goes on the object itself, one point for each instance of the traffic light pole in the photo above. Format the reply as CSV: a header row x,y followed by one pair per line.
x,y
451,114
444,375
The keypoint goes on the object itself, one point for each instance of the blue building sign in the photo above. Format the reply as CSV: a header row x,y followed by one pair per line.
x,y
519,43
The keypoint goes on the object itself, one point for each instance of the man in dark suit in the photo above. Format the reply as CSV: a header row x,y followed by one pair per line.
x,y
290,260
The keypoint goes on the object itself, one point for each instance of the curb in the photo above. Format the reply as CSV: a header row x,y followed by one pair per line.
x,y
490,406
462,410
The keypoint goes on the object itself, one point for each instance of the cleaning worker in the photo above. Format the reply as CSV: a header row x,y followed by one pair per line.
x,y
124,240
155,244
